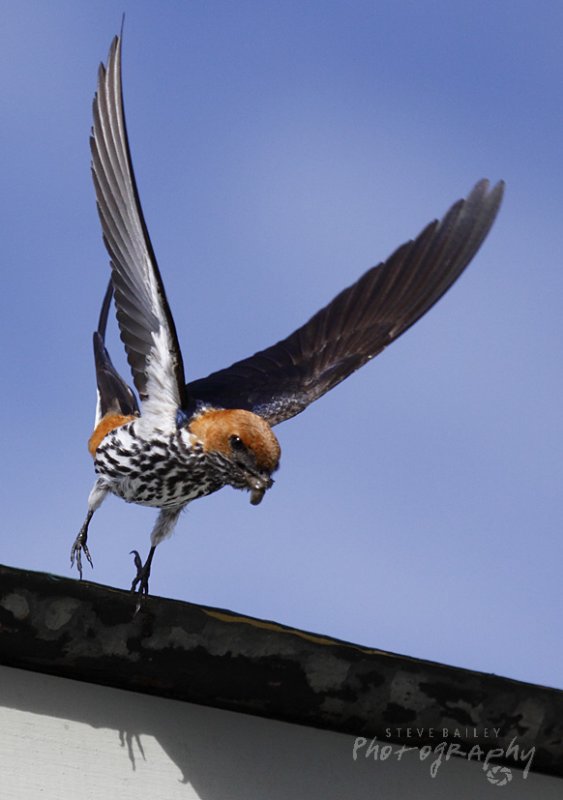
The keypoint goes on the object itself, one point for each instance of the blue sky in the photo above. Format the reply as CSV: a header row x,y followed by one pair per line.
x,y
281,149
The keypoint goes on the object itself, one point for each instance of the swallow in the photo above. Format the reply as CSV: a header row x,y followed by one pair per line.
x,y
180,441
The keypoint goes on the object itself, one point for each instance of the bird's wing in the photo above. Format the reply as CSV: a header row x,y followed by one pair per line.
x,y
145,322
114,395
360,322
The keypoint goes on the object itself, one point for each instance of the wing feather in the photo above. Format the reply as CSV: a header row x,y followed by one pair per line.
x,y
114,396
360,322
143,314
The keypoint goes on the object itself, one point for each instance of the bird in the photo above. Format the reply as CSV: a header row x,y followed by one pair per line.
x,y
180,441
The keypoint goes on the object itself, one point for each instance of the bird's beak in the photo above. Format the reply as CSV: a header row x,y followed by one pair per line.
x,y
258,487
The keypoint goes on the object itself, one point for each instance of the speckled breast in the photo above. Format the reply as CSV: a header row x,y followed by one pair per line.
x,y
161,470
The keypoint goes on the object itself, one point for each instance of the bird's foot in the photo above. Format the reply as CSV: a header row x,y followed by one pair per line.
x,y
80,547
141,579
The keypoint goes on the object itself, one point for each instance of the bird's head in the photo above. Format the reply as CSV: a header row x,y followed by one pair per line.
x,y
244,443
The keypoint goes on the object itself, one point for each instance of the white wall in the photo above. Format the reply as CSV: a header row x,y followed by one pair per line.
x,y
65,739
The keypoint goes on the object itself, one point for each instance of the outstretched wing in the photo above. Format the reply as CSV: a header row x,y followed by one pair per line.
x,y
145,322
360,322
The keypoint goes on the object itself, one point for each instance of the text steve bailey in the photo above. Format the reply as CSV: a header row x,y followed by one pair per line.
x,y
442,733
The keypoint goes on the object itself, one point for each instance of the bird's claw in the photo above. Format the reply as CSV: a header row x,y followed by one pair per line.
x,y
76,551
141,579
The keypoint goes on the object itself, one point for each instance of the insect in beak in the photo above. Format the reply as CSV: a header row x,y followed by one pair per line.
x,y
258,488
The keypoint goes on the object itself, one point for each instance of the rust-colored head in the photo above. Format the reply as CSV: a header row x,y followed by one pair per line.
x,y
246,441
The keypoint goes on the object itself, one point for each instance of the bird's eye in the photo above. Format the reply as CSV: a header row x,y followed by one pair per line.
x,y
237,444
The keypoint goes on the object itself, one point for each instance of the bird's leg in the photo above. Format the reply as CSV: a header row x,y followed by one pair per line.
x,y
165,523
95,500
